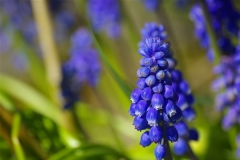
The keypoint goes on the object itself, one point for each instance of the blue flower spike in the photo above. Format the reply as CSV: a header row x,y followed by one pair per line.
x,y
162,90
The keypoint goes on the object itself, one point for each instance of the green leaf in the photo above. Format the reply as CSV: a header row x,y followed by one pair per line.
x,y
87,151
32,99
14,136
6,102
122,84
62,154
36,101
36,70
28,95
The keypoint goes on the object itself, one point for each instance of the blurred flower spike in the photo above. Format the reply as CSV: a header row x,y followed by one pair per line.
x,y
105,16
162,98
82,67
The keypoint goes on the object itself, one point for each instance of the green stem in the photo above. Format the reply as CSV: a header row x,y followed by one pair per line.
x,y
166,144
36,70
126,89
106,107
162,14
131,26
211,32
14,136
119,80
78,124
6,121
48,46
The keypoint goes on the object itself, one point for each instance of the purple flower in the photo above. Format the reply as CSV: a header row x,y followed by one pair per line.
x,y
172,134
30,31
82,67
145,139
153,30
64,22
20,61
224,17
228,80
162,89
5,41
151,5
160,152
80,40
19,12
105,15
180,147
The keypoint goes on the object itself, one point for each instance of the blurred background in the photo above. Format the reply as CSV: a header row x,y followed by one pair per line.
x,y
36,39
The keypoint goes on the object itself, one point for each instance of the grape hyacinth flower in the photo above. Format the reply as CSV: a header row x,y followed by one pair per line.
x,y
181,4
161,89
229,79
186,99
64,21
82,67
229,99
225,22
152,29
105,15
151,5
18,12
20,61
5,41
196,15
154,101
20,16
185,134
225,14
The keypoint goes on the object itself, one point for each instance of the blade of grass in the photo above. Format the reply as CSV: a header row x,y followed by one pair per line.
x,y
6,102
122,84
48,46
119,80
6,122
36,101
86,151
36,70
14,136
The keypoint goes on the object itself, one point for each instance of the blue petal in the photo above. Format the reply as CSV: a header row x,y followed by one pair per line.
x,y
145,139
160,152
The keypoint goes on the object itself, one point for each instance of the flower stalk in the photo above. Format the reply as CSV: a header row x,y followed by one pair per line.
x,y
48,46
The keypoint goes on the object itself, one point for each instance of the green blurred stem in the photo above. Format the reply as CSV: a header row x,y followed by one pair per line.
x,y
122,84
131,26
119,80
211,32
78,124
6,121
36,70
44,106
6,135
161,12
106,107
48,46
14,136
166,144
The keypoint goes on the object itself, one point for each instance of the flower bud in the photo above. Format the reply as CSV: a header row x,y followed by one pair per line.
x,y
145,139
155,134
146,94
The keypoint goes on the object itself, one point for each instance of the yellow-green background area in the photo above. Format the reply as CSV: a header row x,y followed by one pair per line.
x,y
34,125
